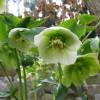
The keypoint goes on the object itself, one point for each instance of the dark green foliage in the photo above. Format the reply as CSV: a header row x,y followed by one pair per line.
x,y
25,22
80,26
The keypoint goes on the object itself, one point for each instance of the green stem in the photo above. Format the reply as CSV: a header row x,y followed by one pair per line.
x,y
25,84
44,96
19,74
60,72
87,36
53,96
36,95
44,77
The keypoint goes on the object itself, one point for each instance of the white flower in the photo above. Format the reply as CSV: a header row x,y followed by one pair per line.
x,y
17,39
57,45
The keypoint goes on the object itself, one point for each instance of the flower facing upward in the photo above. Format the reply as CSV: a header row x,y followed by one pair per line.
x,y
57,45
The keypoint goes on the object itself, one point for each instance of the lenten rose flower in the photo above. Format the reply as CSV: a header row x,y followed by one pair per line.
x,y
57,45
18,40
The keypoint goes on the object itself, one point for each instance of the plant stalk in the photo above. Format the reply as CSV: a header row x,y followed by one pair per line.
x,y
60,73
44,96
19,74
35,95
25,84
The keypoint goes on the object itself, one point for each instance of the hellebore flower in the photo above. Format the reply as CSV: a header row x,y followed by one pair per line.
x,y
57,45
18,40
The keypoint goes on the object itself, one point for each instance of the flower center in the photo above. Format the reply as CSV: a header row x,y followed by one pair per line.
x,y
57,44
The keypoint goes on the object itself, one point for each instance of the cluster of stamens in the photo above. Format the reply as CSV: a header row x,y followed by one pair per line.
x,y
57,44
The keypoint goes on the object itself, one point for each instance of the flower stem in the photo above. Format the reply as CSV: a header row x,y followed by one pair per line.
x,y
60,72
35,95
25,84
44,96
19,74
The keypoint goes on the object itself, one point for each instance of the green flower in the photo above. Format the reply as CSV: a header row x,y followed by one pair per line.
x,y
57,45
85,66
18,40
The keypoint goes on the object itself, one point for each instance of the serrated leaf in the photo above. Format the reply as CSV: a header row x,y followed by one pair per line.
x,y
85,66
87,19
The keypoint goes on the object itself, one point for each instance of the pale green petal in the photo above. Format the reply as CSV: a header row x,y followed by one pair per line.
x,y
72,40
66,55
12,32
18,41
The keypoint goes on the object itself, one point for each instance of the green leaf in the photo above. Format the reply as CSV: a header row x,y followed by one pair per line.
x,y
90,28
3,30
71,24
80,30
29,35
95,44
89,46
7,22
66,81
33,52
29,22
24,22
77,73
8,57
36,23
27,61
11,20
37,30
4,94
1,3
85,47
87,19
61,93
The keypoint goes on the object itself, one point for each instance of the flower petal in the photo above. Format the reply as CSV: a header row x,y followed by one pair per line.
x,y
18,40
49,54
